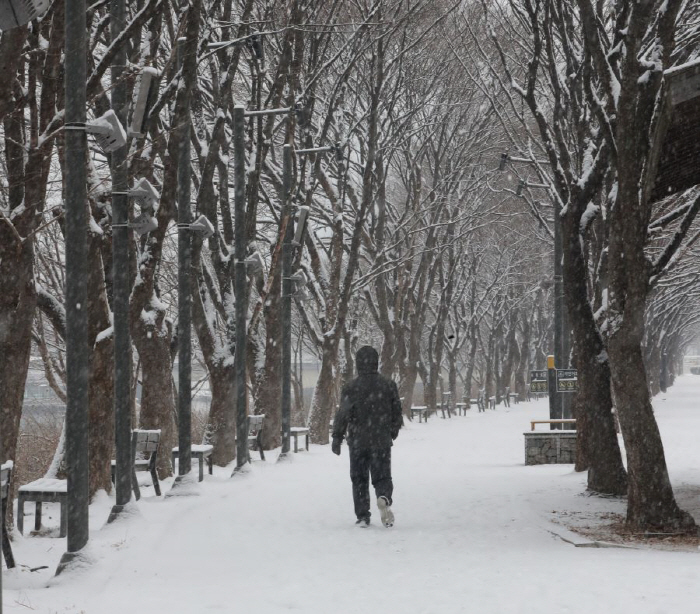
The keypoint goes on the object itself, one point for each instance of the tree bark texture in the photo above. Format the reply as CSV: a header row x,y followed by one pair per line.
x,y
597,446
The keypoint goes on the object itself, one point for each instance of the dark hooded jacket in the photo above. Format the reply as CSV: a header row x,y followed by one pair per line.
x,y
370,409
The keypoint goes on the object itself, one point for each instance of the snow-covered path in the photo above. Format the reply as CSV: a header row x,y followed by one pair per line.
x,y
472,534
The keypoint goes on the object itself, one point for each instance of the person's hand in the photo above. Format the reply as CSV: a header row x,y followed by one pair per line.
x,y
335,446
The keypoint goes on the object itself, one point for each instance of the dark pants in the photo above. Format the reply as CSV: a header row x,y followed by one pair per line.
x,y
376,461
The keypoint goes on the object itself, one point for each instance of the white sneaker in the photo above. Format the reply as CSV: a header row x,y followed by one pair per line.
x,y
385,512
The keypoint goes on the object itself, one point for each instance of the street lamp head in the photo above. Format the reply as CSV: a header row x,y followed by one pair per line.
x,y
254,265
503,162
146,94
16,13
108,131
202,226
301,226
145,195
520,188
299,278
143,224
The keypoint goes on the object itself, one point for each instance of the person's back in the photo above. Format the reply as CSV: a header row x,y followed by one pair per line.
x,y
370,417
373,411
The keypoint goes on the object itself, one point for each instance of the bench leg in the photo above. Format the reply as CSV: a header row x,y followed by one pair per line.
x,y
135,485
20,514
201,467
307,442
7,547
156,483
211,465
296,443
37,516
64,517
260,446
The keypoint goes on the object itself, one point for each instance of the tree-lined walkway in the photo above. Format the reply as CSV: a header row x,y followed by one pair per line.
x,y
471,535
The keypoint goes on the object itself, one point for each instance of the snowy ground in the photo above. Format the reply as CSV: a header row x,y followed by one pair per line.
x,y
475,532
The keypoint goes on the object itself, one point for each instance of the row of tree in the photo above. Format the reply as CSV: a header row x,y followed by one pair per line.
x,y
415,242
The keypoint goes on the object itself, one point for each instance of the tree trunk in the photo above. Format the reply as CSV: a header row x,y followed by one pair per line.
x,y
17,307
597,446
521,372
325,395
269,389
152,334
643,114
407,388
101,378
221,431
651,504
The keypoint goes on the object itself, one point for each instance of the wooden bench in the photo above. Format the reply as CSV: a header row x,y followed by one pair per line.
x,y
43,490
202,453
255,430
295,432
505,397
462,407
480,401
552,421
492,402
143,442
422,412
5,478
446,404
514,397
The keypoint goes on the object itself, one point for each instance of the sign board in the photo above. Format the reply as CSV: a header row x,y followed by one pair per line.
x,y
538,381
567,380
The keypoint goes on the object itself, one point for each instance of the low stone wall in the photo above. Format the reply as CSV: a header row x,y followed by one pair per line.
x,y
550,447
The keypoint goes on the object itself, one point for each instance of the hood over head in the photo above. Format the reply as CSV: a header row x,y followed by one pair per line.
x,y
367,360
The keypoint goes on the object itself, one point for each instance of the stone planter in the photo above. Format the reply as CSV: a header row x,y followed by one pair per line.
x,y
550,447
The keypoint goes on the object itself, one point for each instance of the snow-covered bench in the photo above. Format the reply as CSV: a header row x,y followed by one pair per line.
x,y
295,432
255,430
571,421
43,490
200,452
480,401
5,477
143,442
421,410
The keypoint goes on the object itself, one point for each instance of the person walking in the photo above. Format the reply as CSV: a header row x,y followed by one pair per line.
x,y
369,418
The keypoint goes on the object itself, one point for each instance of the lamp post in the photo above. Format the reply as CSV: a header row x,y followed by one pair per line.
x,y
291,240
240,284
77,349
287,254
120,279
559,407
184,293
